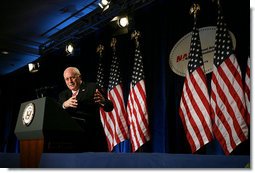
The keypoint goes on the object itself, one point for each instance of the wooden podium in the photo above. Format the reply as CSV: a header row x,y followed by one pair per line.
x,y
40,121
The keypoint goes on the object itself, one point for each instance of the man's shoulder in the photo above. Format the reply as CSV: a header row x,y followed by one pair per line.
x,y
89,85
64,92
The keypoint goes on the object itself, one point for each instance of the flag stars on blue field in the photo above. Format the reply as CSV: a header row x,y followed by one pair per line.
x,y
231,94
114,74
195,53
100,75
195,92
138,73
223,43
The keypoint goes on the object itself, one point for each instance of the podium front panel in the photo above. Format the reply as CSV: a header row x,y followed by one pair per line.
x,y
30,120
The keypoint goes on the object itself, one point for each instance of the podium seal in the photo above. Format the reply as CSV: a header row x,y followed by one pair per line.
x,y
28,114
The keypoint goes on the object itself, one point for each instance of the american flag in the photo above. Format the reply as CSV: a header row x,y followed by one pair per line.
x,y
247,88
114,122
137,105
100,74
227,96
195,103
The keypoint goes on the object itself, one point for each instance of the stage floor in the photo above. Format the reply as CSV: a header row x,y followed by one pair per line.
x,y
129,160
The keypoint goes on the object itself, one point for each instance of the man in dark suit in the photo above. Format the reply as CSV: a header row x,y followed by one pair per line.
x,y
82,101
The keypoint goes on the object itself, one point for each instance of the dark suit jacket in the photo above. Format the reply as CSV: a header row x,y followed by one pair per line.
x,y
88,110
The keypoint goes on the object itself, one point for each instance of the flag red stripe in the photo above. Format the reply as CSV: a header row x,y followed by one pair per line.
x,y
222,124
227,96
198,109
116,124
137,105
122,106
220,129
247,86
133,133
105,118
195,111
120,128
235,106
188,128
189,122
119,93
198,80
138,112
227,102
224,119
195,103
232,65
136,123
226,137
130,107
140,100
196,115
112,125
247,91
139,124
236,91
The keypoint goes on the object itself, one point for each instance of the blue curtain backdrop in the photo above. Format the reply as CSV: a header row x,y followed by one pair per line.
x,y
161,24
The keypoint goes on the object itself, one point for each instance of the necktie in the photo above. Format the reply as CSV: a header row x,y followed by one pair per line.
x,y
75,93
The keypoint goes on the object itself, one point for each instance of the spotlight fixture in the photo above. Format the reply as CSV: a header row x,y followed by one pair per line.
x,y
33,67
69,48
121,24
5,52
104,4
123,21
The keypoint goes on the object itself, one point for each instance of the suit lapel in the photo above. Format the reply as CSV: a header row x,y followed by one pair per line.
x,y
82,92
69,94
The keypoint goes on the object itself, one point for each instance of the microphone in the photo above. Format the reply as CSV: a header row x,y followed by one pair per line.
x,y
41,92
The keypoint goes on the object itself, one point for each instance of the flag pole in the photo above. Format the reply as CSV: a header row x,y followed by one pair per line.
x,y
100,49
218,2
113,44
194,10
137,90
135,35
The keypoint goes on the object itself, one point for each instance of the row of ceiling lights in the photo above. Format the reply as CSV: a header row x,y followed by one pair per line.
x,y
34,67
122,22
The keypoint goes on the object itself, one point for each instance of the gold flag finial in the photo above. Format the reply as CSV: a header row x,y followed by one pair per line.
x,y
135,35
194,9
100,49
113,43
217,1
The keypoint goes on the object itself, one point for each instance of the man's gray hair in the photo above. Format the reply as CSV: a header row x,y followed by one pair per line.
x,y
74,69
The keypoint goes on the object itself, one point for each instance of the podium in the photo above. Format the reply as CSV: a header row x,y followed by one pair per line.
x,y
39,122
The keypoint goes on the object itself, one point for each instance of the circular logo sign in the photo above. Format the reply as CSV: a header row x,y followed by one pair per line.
x,y
179,55
28,114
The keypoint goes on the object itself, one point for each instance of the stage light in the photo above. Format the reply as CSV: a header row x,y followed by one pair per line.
x,y
123,21
5,52
104,4
33,67
69,48
121,24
